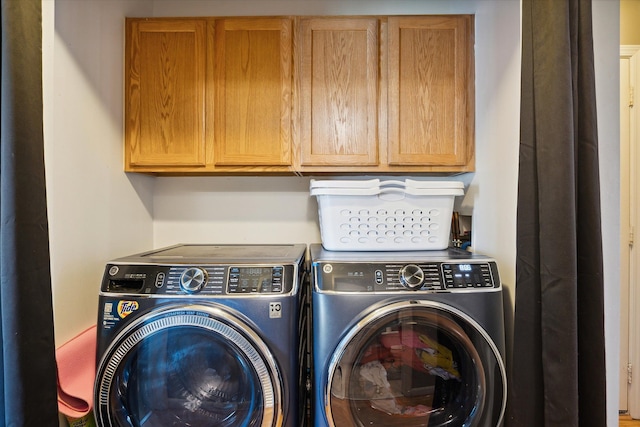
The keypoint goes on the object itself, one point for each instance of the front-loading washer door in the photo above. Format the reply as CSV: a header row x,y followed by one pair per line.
x,y
416,363
195,365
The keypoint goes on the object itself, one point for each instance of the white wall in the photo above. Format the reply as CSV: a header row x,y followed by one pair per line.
x,y
98,212
95,211
606,33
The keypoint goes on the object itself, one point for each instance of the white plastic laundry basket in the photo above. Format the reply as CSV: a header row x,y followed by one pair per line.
x,y
391,215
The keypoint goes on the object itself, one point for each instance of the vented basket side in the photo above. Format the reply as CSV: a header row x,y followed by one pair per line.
x,y
385,222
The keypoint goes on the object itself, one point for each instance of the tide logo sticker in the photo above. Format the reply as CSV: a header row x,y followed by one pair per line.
x,y
125,308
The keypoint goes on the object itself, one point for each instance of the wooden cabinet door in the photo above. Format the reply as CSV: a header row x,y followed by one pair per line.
x,y
165,94
252,102
431,102
339,83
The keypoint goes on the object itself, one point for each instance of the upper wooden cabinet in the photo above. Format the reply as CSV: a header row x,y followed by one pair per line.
x,y
369,94
208,95
386,94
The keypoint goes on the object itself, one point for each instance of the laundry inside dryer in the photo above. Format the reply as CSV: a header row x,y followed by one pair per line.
x,y
410,367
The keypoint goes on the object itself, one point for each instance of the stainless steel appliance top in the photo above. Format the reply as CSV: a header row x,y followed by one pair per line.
x,y
219,254
318,253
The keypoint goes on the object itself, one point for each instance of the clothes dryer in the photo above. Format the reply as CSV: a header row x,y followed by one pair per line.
x,y
407,339
203,335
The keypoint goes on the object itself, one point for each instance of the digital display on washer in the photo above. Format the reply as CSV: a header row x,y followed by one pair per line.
x,y
255,279
467,275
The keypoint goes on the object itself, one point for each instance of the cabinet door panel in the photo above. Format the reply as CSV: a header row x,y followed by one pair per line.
x,y
339,87
253,91
430,90
164,93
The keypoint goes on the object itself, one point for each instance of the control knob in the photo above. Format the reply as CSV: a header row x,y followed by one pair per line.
x,y
411,276
193,279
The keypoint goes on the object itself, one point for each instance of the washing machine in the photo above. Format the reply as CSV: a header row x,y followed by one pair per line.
x,y
203,335
407,339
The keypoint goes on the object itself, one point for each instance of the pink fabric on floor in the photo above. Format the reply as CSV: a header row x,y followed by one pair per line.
x,y
76,361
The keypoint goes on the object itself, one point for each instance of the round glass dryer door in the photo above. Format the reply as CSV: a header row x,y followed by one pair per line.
x,y
416,363
188,366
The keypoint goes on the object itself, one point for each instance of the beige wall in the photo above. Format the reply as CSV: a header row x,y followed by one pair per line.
x,y
629,22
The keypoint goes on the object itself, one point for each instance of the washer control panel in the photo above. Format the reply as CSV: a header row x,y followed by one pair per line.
x,y
198,280
390,277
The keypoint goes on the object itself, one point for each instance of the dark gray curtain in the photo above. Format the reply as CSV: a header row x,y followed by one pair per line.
x,y
27,356
557,373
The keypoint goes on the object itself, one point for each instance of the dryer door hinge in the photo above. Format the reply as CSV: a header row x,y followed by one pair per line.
x,y
629,373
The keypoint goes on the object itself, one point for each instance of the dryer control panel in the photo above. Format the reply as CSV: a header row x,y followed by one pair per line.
x,y
412,276
198,280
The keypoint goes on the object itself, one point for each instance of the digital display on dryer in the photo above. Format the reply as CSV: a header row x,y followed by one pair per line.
x,y
255,279
467,275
